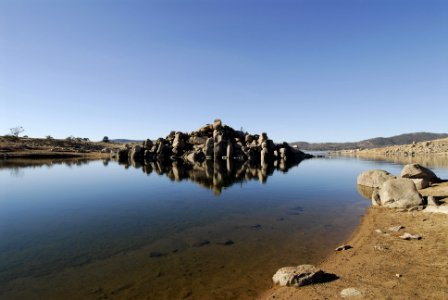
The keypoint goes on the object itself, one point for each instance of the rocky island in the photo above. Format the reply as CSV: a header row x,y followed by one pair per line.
x,y
215,156
212,142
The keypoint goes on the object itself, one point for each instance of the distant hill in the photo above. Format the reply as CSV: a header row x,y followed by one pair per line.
x,y
407,138
124,141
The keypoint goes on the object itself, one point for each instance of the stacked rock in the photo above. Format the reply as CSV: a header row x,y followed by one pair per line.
x,y
212,142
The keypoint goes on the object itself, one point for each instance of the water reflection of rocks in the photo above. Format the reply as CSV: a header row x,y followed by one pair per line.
x,y
215,175
215,156
365,191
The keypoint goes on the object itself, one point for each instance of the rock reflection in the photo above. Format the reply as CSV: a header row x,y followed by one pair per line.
x,y
365,191
215,175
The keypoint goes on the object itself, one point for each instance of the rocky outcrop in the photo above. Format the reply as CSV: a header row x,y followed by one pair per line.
x,y
374,178
214,156
213,142
403,192
416,171
397,193
298,276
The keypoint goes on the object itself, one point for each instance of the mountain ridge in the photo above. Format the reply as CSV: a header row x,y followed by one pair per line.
x,y
401,139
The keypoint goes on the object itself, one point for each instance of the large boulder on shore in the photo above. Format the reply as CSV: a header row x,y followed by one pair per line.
x,y
374,178
298,276
397,193
415,171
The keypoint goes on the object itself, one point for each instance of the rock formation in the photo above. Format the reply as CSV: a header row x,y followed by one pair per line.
x,y
214,142
401,192
214,156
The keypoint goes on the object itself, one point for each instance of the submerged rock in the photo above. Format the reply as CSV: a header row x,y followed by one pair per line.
x,y
156,254
201,243
298,276
226,242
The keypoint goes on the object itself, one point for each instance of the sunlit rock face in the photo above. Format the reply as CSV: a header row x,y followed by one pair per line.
x,y
215,156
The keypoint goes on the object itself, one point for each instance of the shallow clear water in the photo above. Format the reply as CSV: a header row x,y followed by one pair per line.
x,y
97,230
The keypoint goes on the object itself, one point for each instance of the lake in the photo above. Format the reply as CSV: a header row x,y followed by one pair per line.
x,y
100,230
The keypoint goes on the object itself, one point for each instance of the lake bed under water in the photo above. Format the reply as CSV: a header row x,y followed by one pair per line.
x,y
100,230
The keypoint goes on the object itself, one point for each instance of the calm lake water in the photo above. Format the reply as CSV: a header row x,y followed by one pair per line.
x,y
100,230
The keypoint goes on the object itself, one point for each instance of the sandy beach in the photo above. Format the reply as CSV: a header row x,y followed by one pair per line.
x,y
383,266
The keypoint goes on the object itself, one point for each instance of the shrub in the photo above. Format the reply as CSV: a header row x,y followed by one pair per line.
x,y
16,131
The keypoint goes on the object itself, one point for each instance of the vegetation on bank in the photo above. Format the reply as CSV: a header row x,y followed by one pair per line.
x,y
14,146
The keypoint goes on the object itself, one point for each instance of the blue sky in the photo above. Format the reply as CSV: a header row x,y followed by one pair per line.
x,y
298,70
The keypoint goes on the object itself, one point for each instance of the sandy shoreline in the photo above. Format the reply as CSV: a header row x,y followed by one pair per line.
x,y
373,263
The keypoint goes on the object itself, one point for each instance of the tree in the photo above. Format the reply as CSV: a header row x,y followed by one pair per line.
x,y
106,139
16,131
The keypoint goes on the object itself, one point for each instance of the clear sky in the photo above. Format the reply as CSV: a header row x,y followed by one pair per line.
x,y
312,70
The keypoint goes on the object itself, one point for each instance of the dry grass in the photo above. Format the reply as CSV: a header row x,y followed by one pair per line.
x,y
11,147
